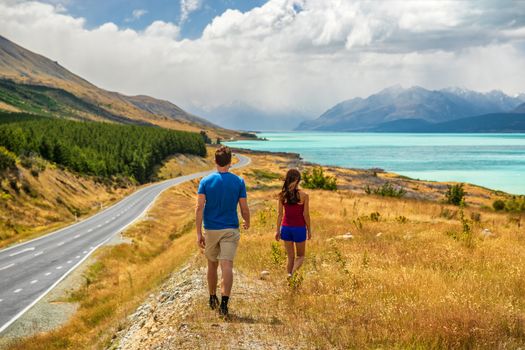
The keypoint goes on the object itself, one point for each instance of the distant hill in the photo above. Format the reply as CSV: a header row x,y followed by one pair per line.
x,y
397,103
33,83
487,123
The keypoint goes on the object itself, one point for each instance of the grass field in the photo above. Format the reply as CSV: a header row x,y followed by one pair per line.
x,y
413,273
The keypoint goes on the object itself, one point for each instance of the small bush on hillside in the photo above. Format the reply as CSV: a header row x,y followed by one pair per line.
x,y
514,204
498,205
278,256
7,159
386,190
317,180
375,216
455,194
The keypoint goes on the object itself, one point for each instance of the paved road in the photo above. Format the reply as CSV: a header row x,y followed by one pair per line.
x,y
29,270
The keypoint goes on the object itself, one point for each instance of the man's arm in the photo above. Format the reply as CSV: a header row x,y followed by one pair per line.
x,y
199,210
245,212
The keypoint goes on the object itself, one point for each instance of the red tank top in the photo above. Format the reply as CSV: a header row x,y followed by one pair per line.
x,y
293,215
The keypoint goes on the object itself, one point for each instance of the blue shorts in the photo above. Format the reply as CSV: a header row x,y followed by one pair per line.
x,y
295,234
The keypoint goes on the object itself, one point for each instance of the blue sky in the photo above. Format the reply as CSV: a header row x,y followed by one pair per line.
x,y
120,12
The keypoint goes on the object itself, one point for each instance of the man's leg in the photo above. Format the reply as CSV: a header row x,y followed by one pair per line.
x,y
227,277
212,276
212,283
226,285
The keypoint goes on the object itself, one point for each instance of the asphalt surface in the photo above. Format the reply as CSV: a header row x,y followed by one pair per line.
x,y
28,271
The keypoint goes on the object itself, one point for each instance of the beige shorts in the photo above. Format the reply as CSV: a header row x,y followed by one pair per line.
x,y
221,244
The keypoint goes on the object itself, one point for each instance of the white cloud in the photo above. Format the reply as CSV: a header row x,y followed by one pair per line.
x,y
288,54
162,29
187,7
136,14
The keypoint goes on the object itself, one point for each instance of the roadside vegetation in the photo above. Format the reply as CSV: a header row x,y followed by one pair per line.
x,y
94,148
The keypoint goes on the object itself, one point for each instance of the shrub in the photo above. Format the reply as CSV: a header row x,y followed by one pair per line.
x,y
455,194
317,180
7,159
375,216
278,255
386,190
498,205
513,204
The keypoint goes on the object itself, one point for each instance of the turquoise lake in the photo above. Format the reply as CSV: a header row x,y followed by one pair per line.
x,y
495,161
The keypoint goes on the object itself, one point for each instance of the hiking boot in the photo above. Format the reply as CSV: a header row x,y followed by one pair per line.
x,y
214,302
223,310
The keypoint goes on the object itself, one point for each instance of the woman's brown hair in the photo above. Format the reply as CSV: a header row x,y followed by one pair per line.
x,y
290,191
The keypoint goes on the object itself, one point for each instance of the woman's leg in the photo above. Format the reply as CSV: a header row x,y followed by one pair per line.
x,y
290,252
301,247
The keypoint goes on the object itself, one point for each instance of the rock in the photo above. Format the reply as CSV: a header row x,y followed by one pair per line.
x,y
379,234
486,233
265,274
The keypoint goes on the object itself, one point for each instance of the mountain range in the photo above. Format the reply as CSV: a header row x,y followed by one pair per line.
x,y
30,82
415,108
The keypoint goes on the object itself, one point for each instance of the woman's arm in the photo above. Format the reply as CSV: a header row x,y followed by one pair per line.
x,y
306,214
279,220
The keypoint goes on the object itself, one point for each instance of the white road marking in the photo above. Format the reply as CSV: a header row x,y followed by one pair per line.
x,y
59,267
6,267
60,244
23,251
107,221
100,225
90,230
69,261
77,257
84,252
18,290
34,281
39,253
48,273
1,300
76,236
113,218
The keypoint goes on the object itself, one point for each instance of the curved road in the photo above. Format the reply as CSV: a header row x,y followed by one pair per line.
x,y
28,271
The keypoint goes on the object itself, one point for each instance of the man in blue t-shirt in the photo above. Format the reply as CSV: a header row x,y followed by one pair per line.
x,y
218,197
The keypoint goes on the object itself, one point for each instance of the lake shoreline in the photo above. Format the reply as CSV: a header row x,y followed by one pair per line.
x,y
492,161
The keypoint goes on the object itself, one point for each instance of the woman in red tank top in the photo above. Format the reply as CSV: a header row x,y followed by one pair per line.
x,y
293,220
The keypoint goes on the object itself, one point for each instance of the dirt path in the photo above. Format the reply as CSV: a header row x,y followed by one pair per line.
x,y
177,317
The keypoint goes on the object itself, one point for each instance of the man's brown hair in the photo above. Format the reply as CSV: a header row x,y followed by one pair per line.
x,y
223,156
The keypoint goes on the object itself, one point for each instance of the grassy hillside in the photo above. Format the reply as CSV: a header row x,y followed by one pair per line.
x,y
412,273
48,101
92,148
38,197
30,82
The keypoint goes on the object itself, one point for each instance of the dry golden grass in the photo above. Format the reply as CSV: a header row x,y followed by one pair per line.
x,y
123,275
411,279
32,205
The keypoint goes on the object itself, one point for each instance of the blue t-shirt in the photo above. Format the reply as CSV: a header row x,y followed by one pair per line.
x,y
222,191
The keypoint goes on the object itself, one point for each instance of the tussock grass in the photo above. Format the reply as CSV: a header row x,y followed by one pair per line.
x,y
403,281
